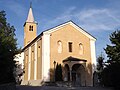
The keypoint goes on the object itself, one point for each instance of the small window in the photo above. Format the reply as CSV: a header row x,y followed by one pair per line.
x,y
80,48
30,28
59,43
38,51
26,58
70,46
32,56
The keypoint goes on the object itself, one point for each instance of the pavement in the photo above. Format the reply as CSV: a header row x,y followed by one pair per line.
x,y
59,88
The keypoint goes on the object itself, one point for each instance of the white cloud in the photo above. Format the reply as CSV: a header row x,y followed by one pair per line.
x,y
90,13
98,19
89,19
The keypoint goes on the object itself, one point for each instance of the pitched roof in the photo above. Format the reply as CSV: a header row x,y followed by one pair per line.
x,y
30,17
74,25
70,59
60,26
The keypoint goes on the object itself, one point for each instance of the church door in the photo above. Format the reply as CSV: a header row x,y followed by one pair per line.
x,y
78,75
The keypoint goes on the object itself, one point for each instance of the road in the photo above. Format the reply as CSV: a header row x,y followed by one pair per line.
x,y
59,88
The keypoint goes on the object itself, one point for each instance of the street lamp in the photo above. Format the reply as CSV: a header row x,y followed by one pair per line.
x,y
54,70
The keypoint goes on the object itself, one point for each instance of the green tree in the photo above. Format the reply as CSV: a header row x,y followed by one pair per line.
x,y
113,51
58,73
8,50
100,66
111,72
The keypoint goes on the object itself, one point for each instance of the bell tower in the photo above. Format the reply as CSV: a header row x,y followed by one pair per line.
x,y
30,28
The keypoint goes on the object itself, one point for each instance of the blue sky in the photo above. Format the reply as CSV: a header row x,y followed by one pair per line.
x,y
98,17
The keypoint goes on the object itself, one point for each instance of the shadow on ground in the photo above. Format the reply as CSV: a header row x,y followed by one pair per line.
x,y
59,88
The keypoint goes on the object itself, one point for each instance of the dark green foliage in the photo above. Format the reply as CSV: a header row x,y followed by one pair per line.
x,y
113,51
111,72
111,75
58,73
8,49
100,63
100,68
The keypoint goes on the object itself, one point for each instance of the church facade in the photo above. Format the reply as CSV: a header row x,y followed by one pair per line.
x,y
66,44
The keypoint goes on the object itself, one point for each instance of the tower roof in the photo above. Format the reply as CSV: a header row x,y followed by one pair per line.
x,y
30,17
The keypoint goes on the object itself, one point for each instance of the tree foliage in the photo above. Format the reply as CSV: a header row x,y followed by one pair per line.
x,y
58,73
8,50
100,63
100,66
111,72
113,51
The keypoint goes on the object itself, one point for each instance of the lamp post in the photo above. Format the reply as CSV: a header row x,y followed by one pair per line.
x,y
54,70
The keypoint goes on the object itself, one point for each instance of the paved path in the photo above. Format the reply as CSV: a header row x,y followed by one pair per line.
x,y
59,88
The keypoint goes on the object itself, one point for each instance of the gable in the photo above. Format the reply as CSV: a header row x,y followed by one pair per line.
x,y
74,26
59,27
68,33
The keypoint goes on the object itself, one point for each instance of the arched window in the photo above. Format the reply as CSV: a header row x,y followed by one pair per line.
x,y
59,43
26,58
81,49
32,56
38,51
30,28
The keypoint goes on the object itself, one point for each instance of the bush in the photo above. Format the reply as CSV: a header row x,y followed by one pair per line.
x,y
58,73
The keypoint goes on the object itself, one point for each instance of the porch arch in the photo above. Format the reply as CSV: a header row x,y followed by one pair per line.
x,y
78,74
75,70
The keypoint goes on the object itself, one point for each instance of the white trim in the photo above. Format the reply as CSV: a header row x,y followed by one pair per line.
x,y
72,24
93,55
35,62
29,63
56,28
42,57
45,56
38,39
82,31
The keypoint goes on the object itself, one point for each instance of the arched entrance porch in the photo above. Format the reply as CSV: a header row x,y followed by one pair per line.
x,y
75,71
78,74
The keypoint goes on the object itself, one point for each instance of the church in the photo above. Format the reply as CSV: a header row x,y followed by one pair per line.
x,y
66,44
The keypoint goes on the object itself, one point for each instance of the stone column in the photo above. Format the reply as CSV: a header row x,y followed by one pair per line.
x,y
70,74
